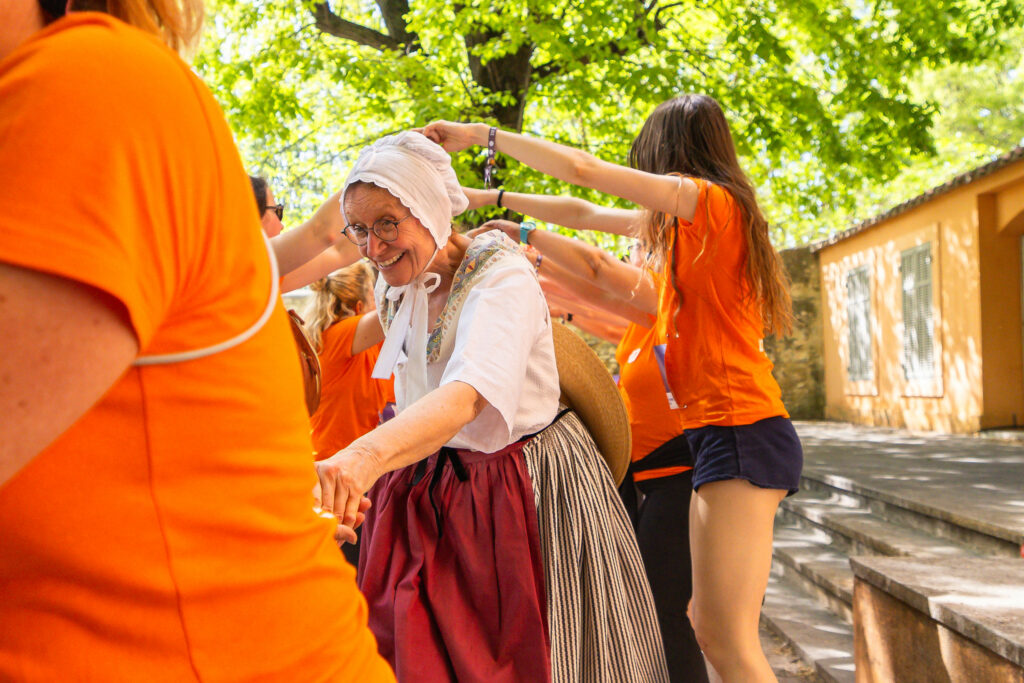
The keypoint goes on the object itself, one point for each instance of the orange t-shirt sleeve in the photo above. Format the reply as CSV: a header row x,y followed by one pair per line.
x,y
715,209
56,140
336,341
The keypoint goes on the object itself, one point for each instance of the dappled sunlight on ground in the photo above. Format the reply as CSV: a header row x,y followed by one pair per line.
x,y
981,480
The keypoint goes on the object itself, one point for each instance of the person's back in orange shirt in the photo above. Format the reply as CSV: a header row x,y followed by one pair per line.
x,y
716,364
350,400
662,471
654,418
169,533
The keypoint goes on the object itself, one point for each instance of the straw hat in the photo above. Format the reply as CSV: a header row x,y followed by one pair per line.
x,y
590,391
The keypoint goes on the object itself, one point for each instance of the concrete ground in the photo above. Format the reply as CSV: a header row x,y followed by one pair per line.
x,y
788,667
972,480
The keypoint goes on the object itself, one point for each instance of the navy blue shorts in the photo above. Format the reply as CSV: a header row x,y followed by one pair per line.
x,y
767,454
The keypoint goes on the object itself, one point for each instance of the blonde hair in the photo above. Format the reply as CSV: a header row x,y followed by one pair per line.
x,y
177,22
335,298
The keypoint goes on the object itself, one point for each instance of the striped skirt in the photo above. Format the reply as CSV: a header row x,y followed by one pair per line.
x,y
512,566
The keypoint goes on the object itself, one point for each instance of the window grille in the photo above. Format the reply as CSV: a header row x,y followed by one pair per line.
x,y
858,307
918,324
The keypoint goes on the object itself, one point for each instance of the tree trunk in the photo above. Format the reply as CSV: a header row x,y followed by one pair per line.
x,y
507,74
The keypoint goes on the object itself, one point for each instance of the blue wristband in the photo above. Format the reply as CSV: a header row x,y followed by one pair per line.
x,y
525,228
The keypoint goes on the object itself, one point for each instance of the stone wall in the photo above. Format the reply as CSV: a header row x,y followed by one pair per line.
x,y
954,620
799,359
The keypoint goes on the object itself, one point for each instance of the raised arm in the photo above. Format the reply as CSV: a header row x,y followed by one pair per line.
x,y
672,195
580,313
571,212
320,239
342,254
590,294
610,332
591,264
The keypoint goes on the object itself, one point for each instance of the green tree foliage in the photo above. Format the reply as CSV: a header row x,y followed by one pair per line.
x,y
979,116
817,91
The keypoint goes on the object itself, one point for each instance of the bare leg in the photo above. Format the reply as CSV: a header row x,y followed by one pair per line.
x,y
731,546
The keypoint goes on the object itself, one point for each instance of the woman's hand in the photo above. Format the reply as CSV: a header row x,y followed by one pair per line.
x,y
347,534
478,198
344,478
455,137
343,533
510,228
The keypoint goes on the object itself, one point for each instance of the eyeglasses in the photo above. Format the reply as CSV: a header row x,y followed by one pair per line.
x,y
278,209
385,229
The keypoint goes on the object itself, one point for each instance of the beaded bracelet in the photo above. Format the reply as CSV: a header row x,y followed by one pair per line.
x,y
490,163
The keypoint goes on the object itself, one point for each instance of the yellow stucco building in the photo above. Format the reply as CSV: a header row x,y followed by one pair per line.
x,y
922,308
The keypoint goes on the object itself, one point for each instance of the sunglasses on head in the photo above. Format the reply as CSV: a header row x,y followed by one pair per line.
x,y
276,208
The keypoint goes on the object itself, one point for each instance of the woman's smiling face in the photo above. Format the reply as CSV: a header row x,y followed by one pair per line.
x,y
405,257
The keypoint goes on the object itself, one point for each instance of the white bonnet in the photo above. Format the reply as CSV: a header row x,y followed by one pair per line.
x,y
419,173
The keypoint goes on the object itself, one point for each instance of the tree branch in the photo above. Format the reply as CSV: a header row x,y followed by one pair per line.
x,y
393,12
557,66
329,22
612,47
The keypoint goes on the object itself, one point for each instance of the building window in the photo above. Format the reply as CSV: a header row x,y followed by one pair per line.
x,y
918,322
858,308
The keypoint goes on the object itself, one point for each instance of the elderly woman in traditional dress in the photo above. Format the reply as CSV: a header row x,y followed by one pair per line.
x,y
496,548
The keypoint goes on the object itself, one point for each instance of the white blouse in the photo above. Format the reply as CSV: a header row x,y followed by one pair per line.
x,y
495,335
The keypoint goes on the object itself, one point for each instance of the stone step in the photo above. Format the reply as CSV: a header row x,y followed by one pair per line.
x,y
962,618
858,531
804,557
981,537
820,638
789,667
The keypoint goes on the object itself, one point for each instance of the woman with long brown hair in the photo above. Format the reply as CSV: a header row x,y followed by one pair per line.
x,y
621,298
724,288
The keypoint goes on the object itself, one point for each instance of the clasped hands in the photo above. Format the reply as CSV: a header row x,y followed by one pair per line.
x,y
343,479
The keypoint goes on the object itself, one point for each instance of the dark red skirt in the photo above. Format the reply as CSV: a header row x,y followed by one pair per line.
x,y
451,568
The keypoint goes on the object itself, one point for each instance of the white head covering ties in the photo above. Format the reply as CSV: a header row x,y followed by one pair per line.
x,y
418,172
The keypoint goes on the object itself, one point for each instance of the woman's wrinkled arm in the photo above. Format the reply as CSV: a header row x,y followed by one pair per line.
x,y
595,321
65,345
413,434
595,296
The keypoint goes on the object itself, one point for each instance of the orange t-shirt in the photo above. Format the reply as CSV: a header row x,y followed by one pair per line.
x,y
168,535
350,400
716,364
652,419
